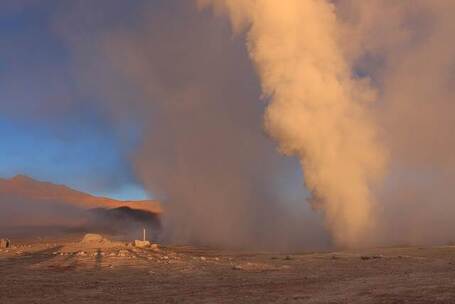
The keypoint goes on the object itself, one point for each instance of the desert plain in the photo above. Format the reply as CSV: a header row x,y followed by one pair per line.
x,y
65,270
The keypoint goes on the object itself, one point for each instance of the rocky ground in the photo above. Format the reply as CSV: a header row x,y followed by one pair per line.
x,y
69,271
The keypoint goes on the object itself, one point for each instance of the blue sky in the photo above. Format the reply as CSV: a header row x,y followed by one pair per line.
x,y
49,129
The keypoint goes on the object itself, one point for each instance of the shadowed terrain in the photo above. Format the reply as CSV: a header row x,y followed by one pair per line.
x,y
123,221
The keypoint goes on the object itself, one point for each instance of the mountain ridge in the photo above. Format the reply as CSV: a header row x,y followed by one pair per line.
x,y
25,187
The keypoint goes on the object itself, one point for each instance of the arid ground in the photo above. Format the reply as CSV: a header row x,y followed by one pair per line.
x,y
66,271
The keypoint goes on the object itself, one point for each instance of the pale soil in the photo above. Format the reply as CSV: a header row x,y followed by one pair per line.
x,y
58,272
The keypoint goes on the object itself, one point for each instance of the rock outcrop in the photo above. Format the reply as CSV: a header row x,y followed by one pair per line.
x,y
5,243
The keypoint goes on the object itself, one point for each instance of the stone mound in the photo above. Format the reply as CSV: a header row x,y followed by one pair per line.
x,y
93,238
90,244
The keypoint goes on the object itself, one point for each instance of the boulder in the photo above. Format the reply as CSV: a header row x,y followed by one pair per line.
x,y
93,238
5,243
141,244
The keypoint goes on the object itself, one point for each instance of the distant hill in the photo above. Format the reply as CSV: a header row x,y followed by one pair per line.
x,y
28,203
26,187
124,221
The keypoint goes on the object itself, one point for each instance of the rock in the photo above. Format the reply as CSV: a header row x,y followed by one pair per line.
x,y
123,253
92,238
141,244
154,247
5,243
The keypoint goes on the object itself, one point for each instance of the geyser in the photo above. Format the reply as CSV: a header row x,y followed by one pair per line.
x,y
317,110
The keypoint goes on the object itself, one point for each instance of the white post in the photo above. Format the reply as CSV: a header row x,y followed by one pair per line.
x,y
144,234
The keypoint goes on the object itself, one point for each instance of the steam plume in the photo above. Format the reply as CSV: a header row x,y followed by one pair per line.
x,y
412,67
365,105
317,110
194,93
